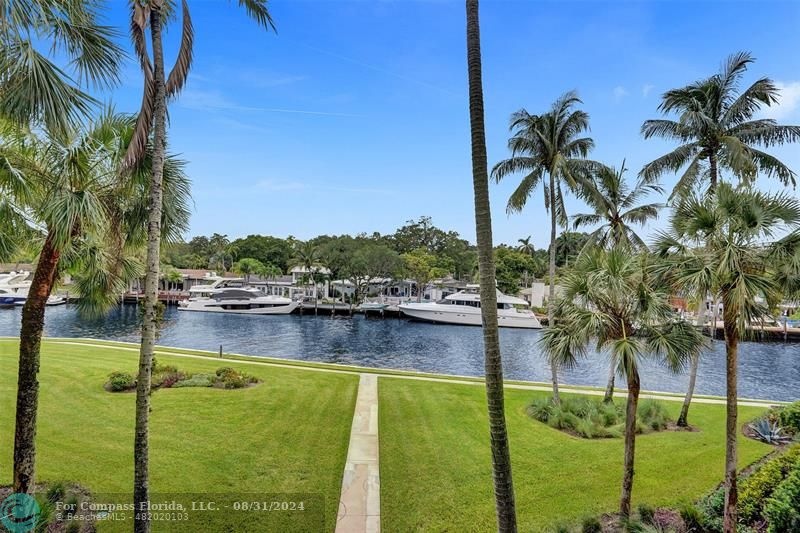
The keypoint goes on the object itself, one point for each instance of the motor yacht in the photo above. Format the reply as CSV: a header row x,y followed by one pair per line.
x,y
464,308
14,288
238,300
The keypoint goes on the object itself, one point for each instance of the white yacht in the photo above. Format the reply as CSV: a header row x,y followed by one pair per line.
x,y
14,288
464,308
239,300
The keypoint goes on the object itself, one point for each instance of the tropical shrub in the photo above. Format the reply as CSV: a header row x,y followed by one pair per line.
x,y
225,372
782,510
120,381
594,419
756,488
769,431
789,417
168,376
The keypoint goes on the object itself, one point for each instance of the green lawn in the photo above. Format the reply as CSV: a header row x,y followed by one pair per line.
x,y
288,434
436,466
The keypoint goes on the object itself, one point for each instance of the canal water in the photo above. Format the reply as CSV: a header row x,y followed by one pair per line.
x,y
766,370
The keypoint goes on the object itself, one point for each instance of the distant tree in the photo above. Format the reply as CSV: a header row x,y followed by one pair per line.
x,y
248,266
526,246
513,268
308,256
548,145
568,245
265,248
422,267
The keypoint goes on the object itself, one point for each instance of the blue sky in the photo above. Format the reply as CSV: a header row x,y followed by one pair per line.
x,y
353,117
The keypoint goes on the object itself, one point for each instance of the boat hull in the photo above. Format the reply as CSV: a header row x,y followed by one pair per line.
x,y
468,316
273,310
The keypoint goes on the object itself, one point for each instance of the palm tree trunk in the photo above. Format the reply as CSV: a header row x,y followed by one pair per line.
x,y
552,281
612,374
501,456
141,482
731,429
30,339
630,443
712,164
683,419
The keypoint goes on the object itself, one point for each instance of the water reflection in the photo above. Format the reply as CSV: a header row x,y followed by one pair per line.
x,y
766,370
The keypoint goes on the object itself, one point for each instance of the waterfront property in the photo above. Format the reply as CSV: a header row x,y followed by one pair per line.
x,y
291,433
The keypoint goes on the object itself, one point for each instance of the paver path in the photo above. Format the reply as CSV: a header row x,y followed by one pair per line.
x,y
360,502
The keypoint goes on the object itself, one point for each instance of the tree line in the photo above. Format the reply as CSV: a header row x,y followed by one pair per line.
x,y
418,250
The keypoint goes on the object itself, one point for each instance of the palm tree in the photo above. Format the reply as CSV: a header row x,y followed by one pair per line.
x,y
34,89
152,119
268,271
248,266
613,301
308,255
717,130
616,209
548,144
526,246
90,217
501,456
728,236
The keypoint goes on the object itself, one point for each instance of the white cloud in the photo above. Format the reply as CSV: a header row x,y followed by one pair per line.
x,y
619,93
788,102
646,88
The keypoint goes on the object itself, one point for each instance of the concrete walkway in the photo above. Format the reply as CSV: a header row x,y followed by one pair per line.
x,y
360,501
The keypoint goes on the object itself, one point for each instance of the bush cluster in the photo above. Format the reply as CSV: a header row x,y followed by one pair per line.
x,y
788,417
168,376
592,418
120,381
782,510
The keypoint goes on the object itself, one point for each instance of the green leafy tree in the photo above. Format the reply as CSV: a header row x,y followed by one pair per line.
x,y
267,249
422,267
92,220
501,456
152,121
247,267
548,145
716,130
726,241
513,269
614,302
